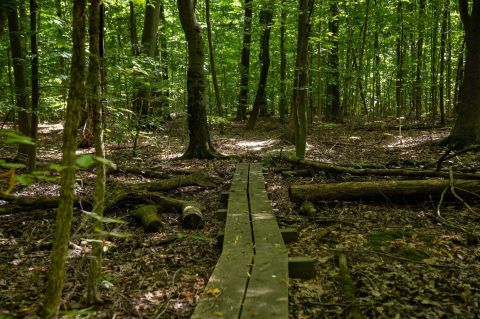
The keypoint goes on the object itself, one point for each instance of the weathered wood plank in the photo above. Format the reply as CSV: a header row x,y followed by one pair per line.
x,y
225,290
267,292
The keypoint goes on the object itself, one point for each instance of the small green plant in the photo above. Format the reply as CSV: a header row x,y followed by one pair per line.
x,y
381,237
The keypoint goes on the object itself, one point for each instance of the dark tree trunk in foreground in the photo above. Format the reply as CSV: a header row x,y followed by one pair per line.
x,y
245,62
63,221
20,75
211,55
300,82
334,111
95,103
199,137
467,130
266,17
32,156
3,19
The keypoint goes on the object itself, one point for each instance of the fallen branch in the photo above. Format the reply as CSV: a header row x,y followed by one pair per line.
x,y
372,190
347,286
335,169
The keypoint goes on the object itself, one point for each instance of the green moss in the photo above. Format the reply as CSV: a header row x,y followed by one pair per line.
x,y
412,253
380,238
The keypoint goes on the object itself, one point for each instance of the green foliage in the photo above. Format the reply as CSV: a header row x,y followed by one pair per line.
x,y
382,237
12,137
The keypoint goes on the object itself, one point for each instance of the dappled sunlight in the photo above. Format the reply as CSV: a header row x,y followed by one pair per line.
x,y
256,145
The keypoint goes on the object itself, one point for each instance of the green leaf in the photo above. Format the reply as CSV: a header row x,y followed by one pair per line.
x,y
24,180
12,165
14,138
105,161
84,161
56,167
115,234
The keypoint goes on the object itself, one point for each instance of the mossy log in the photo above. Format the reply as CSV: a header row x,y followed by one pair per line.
x,y
348,287
147,215
196,179
191,212
335,169
372,190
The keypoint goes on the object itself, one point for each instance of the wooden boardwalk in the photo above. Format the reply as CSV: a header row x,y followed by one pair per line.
x,y
250,279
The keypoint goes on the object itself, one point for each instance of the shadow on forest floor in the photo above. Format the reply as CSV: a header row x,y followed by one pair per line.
x,y
403,262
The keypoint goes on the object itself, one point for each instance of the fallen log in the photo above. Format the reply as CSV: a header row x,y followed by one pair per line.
x,y
191,212
348,286
371,190
147,215
335,169
196,179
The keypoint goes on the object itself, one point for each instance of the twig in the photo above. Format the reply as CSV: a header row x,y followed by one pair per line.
x,y
452,188
441,201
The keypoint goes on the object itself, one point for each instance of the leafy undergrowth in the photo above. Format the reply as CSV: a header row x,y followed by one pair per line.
x,y
404,262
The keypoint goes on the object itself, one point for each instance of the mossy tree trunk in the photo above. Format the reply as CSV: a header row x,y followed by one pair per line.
x,y
95,102
63,221
283,64
199,137
466,130
32,154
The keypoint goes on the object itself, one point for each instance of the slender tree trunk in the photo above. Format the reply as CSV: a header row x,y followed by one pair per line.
x,y
448,83
20,76
61,59
334,111
211,54
245,62
434,72
283,64
360,78
418,74
63,221
32,156
300,86
466,129
199,137
319,74
443,42
266,17
133,30
399,79
95,103
164,59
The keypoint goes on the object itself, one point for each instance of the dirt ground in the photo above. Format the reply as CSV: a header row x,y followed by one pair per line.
x,y
404,262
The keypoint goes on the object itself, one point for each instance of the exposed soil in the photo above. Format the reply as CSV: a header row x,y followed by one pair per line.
x,y
405,262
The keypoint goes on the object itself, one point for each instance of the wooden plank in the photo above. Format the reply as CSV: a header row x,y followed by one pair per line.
x,y
225,290
267,292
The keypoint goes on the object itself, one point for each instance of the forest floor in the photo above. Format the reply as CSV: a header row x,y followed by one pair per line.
x,y
403,262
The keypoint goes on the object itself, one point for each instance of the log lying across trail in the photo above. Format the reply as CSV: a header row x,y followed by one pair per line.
x,y
371,190
331,168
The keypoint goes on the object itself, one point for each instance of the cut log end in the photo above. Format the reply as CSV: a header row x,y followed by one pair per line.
x,y
192,217
147,215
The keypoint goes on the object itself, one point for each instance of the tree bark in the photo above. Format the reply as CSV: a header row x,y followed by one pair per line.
x,y
443,43
300,86
211,54
133,29
377,190
245,62
95,104
334,112
466,130
20,76
63,221
283,64
418,73
199,137
266,18
32,155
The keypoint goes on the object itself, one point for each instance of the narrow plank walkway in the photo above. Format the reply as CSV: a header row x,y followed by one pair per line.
x,y
250,279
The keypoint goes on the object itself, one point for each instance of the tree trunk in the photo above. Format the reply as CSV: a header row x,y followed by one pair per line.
x,y
443,43
63,221
300,86
283,65
334,111
399,79
245,62
211,54
133,30
20,76
95,104
378,190
3,20
266,18
199,137
418,73
466,130
32,156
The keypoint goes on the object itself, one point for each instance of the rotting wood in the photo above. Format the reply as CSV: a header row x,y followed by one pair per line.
x,y
374,190
335,169
147,215
308,209
348,286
